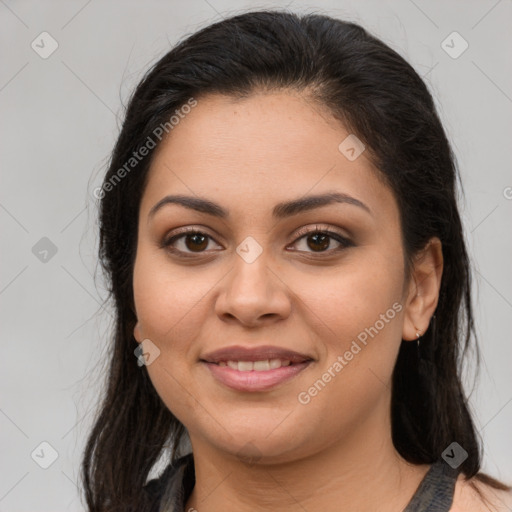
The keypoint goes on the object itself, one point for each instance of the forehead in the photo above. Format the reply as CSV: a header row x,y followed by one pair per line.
x,y
265,147
273,127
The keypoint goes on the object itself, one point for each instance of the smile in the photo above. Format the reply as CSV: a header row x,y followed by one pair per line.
x,y
255,376
258,366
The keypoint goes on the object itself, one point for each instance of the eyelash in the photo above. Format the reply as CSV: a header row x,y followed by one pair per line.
x,y
345,242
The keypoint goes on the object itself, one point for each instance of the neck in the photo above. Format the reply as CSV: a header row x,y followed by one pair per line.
x,y
360,472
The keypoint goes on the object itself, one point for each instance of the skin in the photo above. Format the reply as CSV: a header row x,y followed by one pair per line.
x,y
248,155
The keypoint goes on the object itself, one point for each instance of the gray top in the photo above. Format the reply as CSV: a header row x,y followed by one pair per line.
x,y
435,492
170,491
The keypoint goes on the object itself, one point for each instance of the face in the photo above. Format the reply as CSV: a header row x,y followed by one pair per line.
x,y
323,280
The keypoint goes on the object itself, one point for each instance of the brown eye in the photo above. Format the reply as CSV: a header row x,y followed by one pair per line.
x,y
320,241
187,243
196,241
193,242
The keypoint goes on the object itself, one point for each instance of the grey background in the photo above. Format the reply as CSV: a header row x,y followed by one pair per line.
x,y
60,118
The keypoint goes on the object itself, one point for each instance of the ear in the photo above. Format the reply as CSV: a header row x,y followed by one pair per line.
x,y
423,289
137,332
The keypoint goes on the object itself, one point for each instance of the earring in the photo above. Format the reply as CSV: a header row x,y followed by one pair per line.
x,y
418,336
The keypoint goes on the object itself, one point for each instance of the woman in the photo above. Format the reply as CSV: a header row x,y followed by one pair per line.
x,y
280,230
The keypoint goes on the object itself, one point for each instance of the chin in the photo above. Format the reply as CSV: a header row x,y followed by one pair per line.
x,y
255,446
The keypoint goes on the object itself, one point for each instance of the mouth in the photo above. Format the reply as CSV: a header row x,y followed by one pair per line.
x,y
255,369
261,354
257,366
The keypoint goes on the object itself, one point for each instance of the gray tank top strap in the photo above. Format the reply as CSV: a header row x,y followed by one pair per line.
x,y
436,490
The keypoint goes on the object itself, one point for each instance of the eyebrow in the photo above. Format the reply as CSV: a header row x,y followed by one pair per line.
x,y
280,211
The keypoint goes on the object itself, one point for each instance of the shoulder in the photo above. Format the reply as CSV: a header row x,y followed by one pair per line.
x,y
475,496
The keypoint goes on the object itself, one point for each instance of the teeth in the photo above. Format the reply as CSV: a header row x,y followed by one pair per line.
x,y
259,366
245,366
275,363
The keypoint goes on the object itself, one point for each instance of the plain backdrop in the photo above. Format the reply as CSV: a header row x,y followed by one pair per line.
x,y
60,115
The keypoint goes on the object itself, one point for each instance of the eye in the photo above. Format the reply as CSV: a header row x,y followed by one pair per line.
x,y
318,240
191,241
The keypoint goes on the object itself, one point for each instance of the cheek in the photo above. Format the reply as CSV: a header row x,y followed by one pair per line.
x,y
167,298
357,318
347,300
166,306
171,304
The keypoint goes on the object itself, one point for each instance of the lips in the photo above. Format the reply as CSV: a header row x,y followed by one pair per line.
x,y
254,369
262,353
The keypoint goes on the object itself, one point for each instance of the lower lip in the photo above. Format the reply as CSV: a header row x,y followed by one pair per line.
x,y
255,380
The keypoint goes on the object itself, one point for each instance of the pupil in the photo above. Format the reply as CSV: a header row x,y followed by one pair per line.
x,y
195,237
324,238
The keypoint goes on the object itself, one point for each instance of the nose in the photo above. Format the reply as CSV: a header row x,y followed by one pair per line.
x,y
253,293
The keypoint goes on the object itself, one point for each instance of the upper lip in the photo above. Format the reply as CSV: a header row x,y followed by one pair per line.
x,y
261,353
